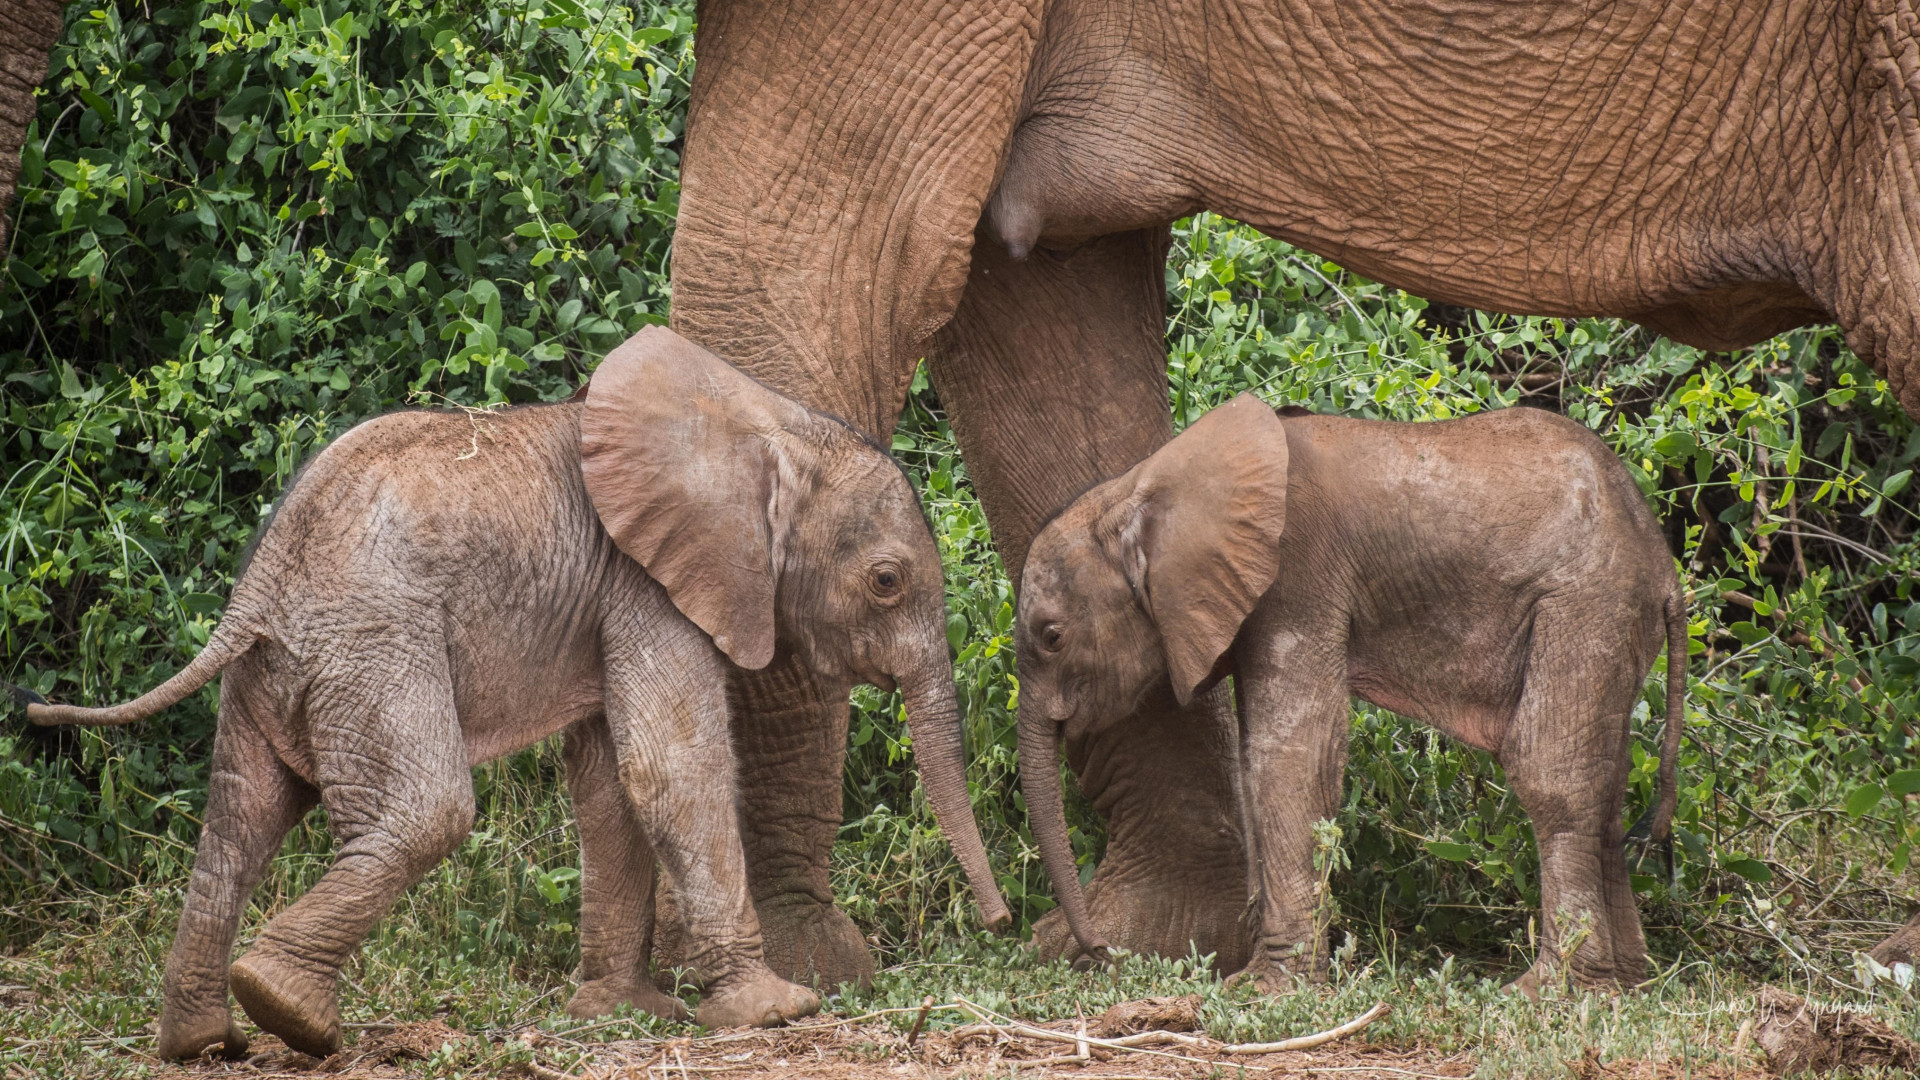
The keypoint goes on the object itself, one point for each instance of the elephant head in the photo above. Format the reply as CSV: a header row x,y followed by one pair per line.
x,y
773,527
1145,578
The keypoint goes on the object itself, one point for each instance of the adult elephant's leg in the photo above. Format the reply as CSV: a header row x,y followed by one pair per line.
x,y
826,209
1053,373
28,29
790,739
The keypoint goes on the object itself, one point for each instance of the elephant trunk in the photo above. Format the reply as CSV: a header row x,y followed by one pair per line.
x,y
1040,780
933,716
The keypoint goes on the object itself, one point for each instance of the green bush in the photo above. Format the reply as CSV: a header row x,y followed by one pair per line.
x,y
241,228
245,226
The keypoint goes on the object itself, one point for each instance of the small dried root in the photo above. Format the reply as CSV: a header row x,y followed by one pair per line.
x,y
1308,1042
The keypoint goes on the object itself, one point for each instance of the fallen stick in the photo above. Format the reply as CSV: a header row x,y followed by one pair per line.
x,y
1124,1042
1149,1038
1308,1042
1015,1027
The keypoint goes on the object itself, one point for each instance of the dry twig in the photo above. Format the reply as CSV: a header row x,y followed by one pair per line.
x,y
1308,1042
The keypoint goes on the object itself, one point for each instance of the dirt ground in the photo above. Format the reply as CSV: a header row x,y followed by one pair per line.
x,y
867,1048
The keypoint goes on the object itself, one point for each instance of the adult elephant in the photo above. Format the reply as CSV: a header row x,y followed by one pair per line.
x,y
989,185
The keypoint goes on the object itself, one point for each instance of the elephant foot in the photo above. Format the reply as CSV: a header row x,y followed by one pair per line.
x,y
813,943
1155,917
186,1038
289,1001
1549,971
1275,977
603,997
758,1000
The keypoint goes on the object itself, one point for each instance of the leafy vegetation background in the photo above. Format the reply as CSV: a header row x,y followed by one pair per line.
x,y
243,227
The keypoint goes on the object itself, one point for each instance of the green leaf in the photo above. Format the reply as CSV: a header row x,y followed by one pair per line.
x,y
1896,483
1752,869
1862,799
1451,852
1904,782
202,603
1676,445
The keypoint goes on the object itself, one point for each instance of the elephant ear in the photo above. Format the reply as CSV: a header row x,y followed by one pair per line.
x,y
1199,533
685,462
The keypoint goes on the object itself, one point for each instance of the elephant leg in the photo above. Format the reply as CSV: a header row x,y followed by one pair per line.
x,y
667,714
252,801
1053,374
28,31
392,771
1902,946
1566,754
616,883
1294,708
790,731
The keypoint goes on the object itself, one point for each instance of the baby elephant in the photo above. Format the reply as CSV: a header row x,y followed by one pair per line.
x,y
1497,576
441,588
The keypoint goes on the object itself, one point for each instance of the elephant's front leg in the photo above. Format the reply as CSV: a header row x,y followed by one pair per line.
x,y
790,735
616,883
667,715
1293,745
1053,373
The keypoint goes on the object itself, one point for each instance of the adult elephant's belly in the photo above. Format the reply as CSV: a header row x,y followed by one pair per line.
x,y
1528,158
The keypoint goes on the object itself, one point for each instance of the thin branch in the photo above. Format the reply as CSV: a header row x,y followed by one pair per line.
x,y
1308,1042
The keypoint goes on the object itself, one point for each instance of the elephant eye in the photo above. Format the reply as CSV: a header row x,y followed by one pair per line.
x,y
1050,637
886,581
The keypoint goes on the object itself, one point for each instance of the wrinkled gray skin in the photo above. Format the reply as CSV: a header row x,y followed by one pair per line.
x,y
442,588
1497,576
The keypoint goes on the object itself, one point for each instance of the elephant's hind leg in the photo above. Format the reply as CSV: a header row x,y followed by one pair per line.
x,y
393,773
616,884
1566,755
252,801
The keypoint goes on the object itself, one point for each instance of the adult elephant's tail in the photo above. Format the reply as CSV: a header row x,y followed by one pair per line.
x,y
228,643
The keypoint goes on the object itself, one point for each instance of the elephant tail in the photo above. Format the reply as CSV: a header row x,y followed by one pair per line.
x,y
1662,824
230,640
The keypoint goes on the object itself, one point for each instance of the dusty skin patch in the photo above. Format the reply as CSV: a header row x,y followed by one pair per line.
x,y
869,1048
